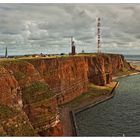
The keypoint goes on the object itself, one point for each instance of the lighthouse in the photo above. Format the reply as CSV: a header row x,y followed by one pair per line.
x,y
73,52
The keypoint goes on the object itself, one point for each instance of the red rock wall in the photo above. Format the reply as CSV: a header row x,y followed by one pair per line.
x,y
38,86
38,101
103,66
96,72
9,89
13,120
67,77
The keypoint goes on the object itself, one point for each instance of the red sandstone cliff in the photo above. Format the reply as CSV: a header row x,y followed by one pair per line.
x,y
13,120
67,77
103,66
38,101
31,90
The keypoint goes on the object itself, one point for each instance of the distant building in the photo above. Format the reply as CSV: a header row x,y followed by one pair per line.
x,y
43,55
39,55
83,51
73,52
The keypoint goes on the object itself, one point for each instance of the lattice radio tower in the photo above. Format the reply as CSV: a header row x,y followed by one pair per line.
x,y
98,35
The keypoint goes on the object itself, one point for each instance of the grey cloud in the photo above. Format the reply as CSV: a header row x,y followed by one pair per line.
x,y
35,28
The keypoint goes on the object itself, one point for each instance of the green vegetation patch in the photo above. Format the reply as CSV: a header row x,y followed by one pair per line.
x,y
14,64
93,92
124,71
19,127
12,126
87,54
19,75
17,66
12,61
6,112
36,92
26,130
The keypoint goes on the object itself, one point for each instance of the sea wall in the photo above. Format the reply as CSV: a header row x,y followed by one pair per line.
x,y
31,90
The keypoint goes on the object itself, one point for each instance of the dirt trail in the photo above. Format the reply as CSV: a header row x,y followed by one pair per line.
x,y
66,121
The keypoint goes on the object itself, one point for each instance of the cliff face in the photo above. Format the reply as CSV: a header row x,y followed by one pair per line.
x,y
31,90
103,66
13,120
37,98
67,77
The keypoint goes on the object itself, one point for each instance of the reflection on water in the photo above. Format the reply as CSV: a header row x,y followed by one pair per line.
x,y
119,116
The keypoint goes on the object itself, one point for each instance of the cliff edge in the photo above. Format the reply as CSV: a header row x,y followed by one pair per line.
x,y
31,90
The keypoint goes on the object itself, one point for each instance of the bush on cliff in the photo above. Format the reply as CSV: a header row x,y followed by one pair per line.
x,y
36,92
6,112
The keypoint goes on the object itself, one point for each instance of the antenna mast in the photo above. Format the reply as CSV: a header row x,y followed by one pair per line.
x,y
98,35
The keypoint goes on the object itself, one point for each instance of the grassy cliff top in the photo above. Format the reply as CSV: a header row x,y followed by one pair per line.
x,y
16,59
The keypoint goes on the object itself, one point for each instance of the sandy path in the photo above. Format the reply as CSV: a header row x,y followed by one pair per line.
x,y
66,121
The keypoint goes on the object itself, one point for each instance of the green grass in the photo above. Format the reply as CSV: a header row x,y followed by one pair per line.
x,y
124,71
13,62
19,127
19,75
87,54
26,130
51,56
5,60
93,92
18,67
8,122
36,92
6,112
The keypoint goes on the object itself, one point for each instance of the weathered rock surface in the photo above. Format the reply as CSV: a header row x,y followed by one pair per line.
x,y
13,120
31,90
67,77
39,102
103,66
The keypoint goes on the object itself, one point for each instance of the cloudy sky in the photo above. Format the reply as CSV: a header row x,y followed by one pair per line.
x,y
36,28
